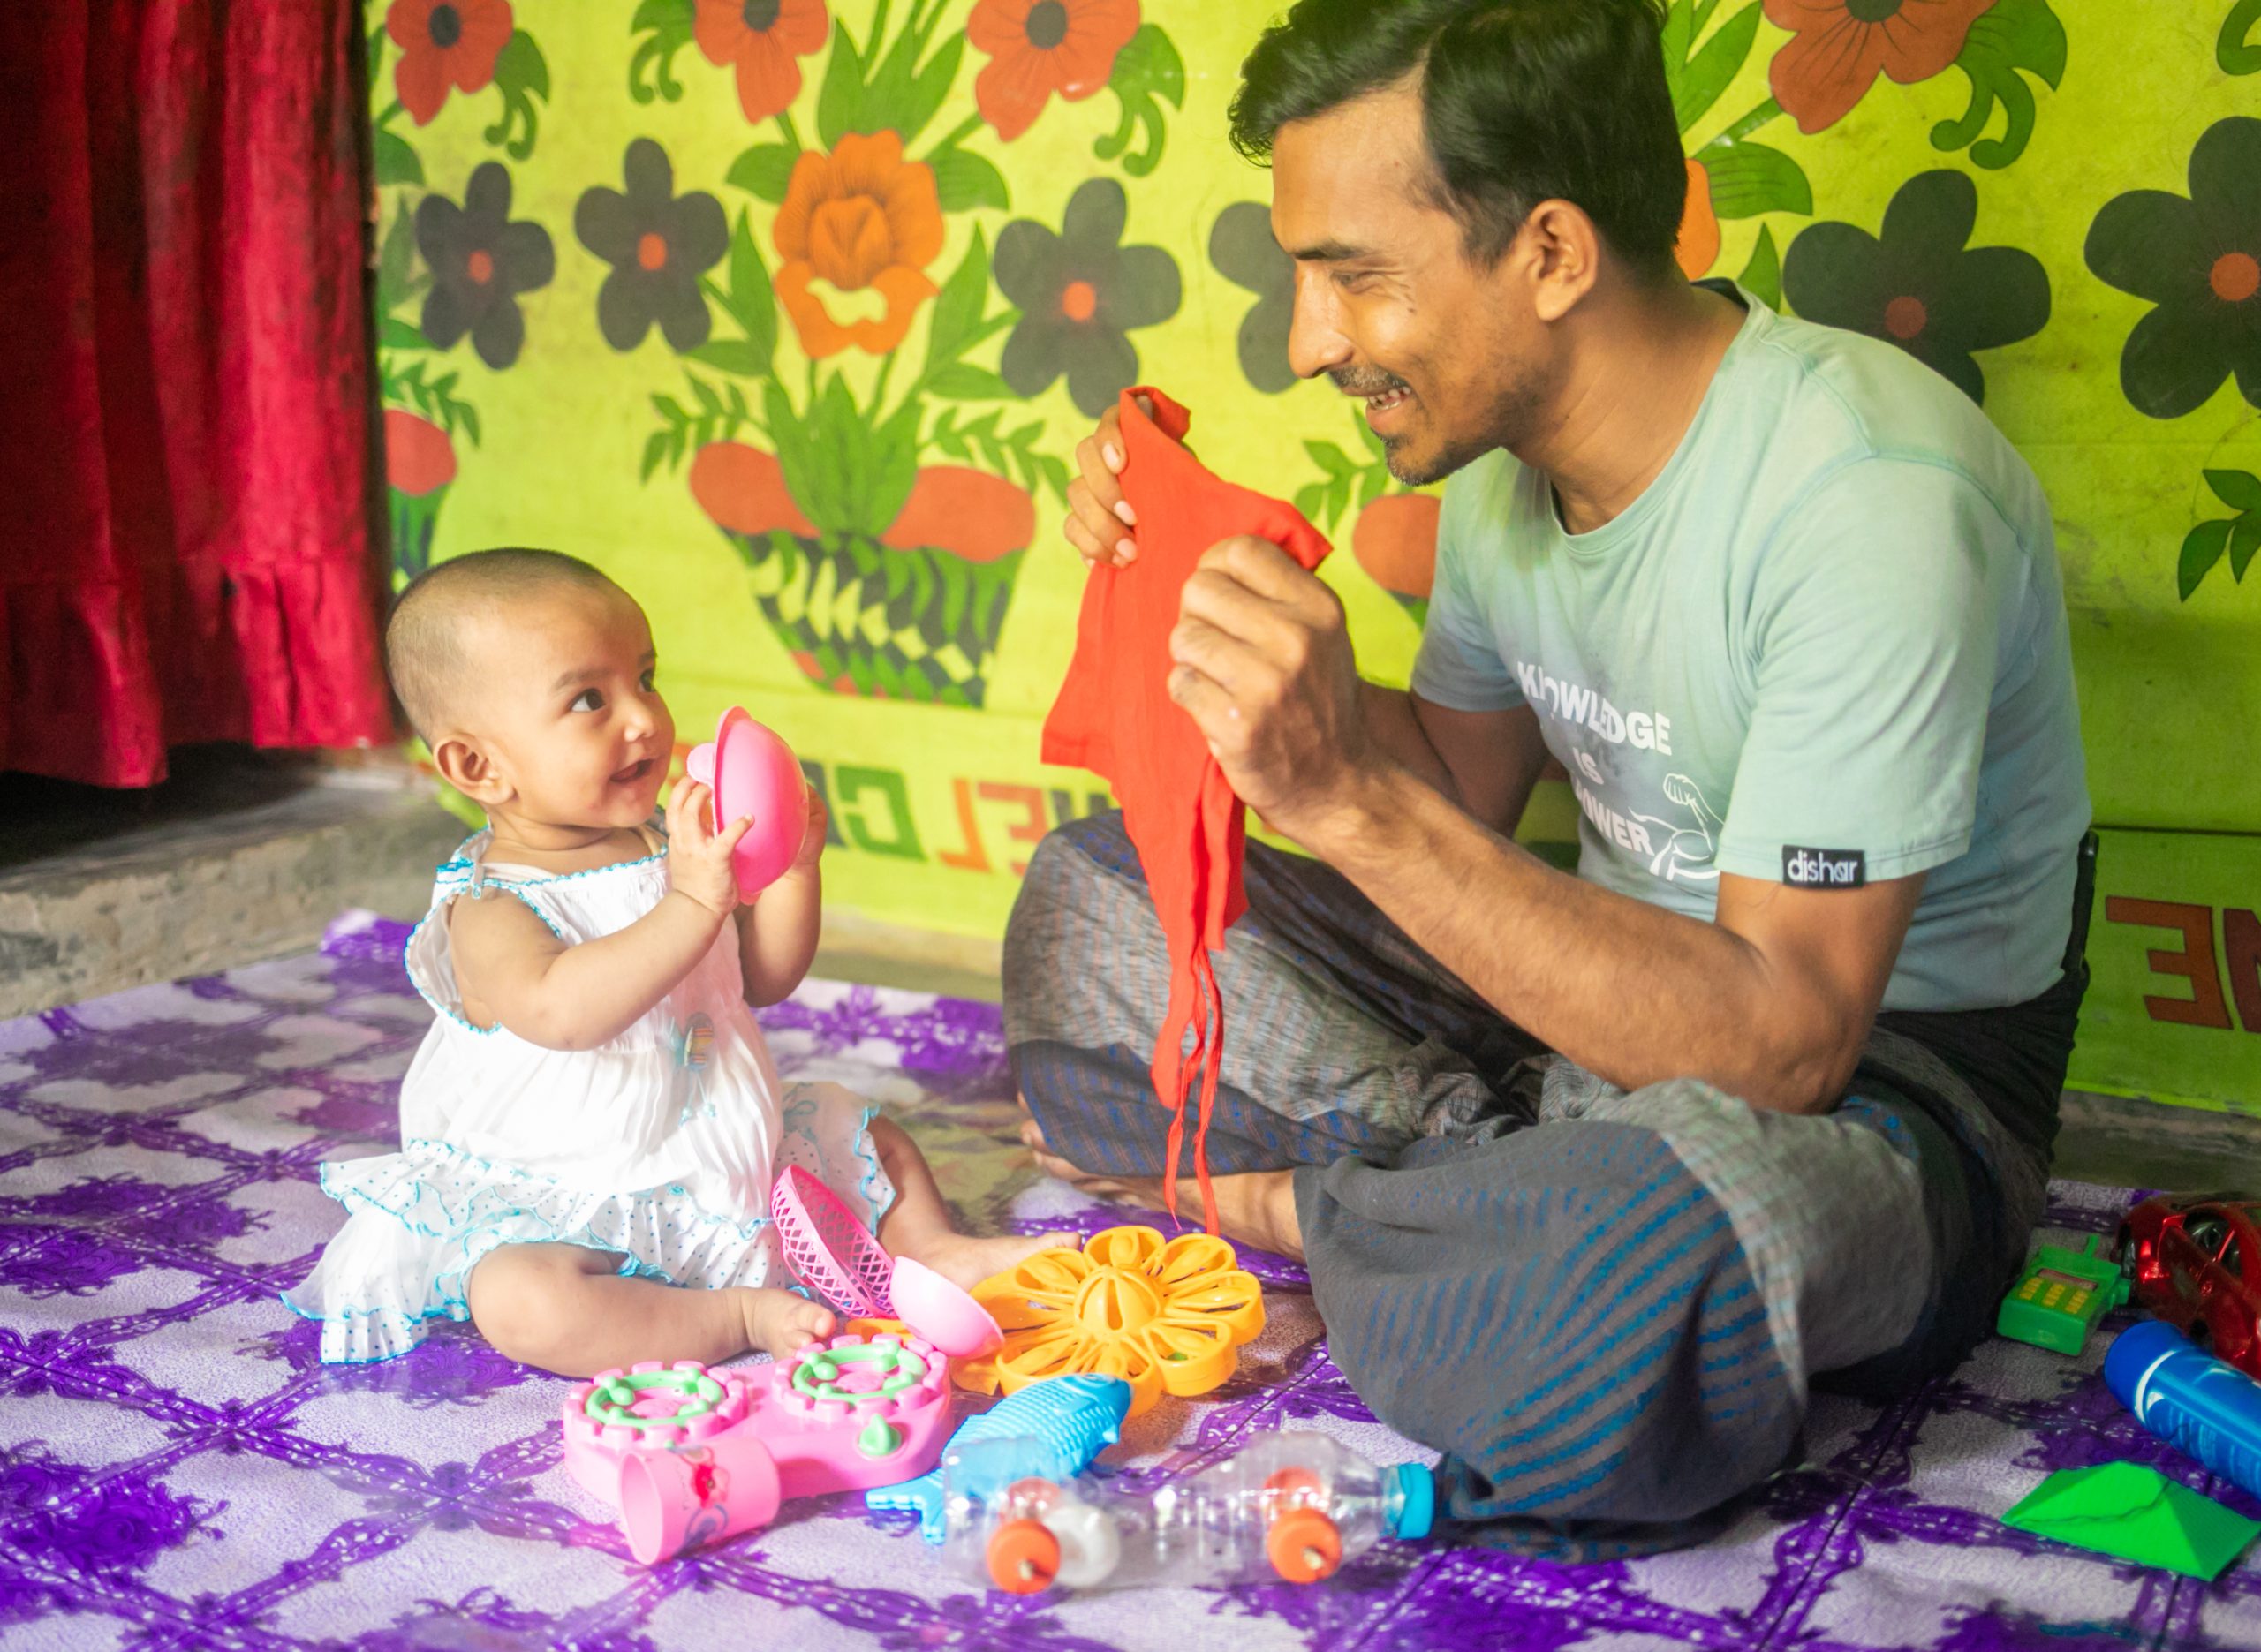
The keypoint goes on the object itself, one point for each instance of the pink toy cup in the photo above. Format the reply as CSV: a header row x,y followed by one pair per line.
x,y
754,772
673,1502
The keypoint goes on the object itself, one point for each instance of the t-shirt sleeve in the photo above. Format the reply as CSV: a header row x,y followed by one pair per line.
x,y
1873,632
1459,665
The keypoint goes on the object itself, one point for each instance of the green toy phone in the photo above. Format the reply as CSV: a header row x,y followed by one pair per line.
x,y
2060,1296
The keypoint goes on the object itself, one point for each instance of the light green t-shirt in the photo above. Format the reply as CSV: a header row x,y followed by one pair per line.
x,y
1827,646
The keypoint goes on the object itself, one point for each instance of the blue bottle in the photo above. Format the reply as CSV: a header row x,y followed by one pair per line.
x,y
2191,1400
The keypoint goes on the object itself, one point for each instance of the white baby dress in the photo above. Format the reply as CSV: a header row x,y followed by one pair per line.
x,y
659,1146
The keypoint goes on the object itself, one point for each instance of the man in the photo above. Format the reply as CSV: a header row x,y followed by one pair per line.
x,y
1595,1173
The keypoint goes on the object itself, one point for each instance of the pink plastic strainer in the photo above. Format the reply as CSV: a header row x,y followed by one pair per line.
x,y
829,1250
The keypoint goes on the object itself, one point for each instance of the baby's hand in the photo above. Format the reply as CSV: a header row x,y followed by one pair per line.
x,y
699,856
813,837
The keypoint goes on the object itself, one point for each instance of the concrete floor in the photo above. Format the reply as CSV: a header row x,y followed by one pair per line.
x,y
243,856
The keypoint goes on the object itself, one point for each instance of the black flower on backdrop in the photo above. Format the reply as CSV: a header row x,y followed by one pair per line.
x,y
1242,247
1080,292
1919,284
658,244
480,263
2199,259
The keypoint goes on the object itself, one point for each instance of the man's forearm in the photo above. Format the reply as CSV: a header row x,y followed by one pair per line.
x,y
1632,992
1392,726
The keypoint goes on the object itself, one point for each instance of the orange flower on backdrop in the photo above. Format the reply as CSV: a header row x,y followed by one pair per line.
x,y
445,43
1699,225
1036,47
860,218
1841,46
766,39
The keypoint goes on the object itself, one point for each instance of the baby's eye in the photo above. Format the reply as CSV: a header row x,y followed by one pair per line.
x,y
588,700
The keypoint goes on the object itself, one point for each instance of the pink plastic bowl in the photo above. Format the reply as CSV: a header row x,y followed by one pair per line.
x,y
754,772
941,1313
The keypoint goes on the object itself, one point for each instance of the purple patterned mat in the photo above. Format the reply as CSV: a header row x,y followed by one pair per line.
x,y
177,1470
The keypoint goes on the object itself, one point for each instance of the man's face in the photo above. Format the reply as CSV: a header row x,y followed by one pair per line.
x,y
1447,354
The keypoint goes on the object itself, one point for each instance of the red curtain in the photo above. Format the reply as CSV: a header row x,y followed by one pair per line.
x,y
185,550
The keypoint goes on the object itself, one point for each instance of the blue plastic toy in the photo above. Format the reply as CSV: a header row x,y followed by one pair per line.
x,y
1067,1421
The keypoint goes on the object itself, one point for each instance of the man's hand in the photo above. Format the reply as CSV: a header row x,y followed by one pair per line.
x,y
698,857
1263,665
1101,520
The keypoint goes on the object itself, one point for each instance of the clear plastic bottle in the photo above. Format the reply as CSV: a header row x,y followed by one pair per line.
x,y
1290,1506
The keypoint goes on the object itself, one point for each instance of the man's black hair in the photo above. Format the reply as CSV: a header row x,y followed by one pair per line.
x,y
1522,101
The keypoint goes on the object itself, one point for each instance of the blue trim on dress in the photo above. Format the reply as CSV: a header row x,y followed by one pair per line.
x,y
868,1152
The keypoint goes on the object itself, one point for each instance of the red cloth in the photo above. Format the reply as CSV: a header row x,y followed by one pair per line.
x,y
1114,716
185,412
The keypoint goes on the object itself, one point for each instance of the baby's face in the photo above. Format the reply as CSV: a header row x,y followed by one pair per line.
x,y
566,704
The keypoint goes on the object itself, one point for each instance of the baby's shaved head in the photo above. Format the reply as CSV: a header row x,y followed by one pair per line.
x,y
425,651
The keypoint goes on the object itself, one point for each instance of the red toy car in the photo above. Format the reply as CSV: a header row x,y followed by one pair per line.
x,y
2195,1261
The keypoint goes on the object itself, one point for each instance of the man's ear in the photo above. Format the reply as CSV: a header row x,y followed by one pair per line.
x,y
1564,250
471,772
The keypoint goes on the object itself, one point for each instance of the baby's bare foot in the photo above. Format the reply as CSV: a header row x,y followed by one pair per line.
x,y
965,1261
778,1323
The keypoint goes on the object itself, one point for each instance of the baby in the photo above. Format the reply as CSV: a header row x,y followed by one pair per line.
x,y
592,1122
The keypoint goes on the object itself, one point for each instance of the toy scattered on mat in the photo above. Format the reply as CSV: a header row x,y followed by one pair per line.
x,y
1166,1316
2062,1296
2132,1512
691,1456
833,1253
754,772
668,1420
2197,1262
1056,1427
1291,1506
2208,1409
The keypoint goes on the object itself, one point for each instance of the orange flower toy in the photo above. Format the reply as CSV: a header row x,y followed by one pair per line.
x,y
1166,1316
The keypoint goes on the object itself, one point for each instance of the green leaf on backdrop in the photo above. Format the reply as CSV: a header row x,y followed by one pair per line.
x,y
2244,539
395,260
1698,78
2235,49
395,333
2201,548
964,181
2240,490
392,160
2016,36
796,456
764,171
903,98
956,314
1750,178
1762,276
668,24
963,382
840,105
751,302
1147,73
522,75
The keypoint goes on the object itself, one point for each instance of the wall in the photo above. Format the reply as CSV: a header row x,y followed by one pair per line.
x,y
794,326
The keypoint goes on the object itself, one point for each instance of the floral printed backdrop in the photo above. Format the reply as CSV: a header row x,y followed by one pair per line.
x,y
789,312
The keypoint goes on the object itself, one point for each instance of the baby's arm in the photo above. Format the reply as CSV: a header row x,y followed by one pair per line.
x,y
510,966
777,934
